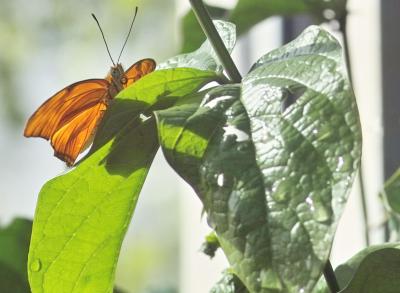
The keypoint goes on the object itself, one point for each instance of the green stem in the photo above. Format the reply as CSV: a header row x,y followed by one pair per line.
x,y
343,28
211,32
330,277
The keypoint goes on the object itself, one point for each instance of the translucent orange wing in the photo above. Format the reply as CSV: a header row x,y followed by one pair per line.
x,y
64,106
139,69
77,134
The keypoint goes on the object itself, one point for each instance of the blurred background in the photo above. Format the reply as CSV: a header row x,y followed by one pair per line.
x,y
46,45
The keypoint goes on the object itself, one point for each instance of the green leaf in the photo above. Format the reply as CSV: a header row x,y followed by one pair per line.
x,y
192,34
209,146
307,136
204,58
82,215
375,269
261,9
159,89
391,197
273,161
391,192
14,244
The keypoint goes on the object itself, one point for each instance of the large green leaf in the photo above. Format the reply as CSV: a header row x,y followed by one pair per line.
x,y
82,216
273,168
375,269
210,147
204,58
307,136
14,244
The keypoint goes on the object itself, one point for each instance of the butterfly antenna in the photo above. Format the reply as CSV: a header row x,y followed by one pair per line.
x,y
105,42
129,32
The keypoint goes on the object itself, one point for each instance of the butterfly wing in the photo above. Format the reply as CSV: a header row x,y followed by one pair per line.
x,y
64,106
139,69
70,117
77,134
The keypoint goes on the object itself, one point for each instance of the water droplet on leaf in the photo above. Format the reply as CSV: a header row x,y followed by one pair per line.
x,y
270,280
36,265
281,191
344,164
220,180
321,213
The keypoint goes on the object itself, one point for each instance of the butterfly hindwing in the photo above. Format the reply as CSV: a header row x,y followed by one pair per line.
x,y
77,134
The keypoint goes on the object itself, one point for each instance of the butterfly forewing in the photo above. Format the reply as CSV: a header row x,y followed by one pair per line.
x,y
64,105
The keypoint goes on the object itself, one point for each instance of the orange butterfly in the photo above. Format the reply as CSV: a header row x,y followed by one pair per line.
x,y
70,117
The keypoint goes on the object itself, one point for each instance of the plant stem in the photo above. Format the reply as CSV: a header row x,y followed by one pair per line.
x,y
213,36
343,29
330,277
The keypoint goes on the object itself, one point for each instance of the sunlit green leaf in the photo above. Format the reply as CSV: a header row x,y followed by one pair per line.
x,y
158,89
14,244
273,161
204,58
82,215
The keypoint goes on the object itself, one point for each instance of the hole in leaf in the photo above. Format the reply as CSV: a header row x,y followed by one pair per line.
x,y
291,96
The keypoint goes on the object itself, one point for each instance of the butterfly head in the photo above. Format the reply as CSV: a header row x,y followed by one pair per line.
x,y
117,77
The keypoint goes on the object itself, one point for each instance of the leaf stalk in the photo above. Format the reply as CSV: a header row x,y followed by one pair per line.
x,y
330,277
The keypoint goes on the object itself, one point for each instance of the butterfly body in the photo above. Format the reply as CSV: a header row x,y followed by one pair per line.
x,y
117,79
70,117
